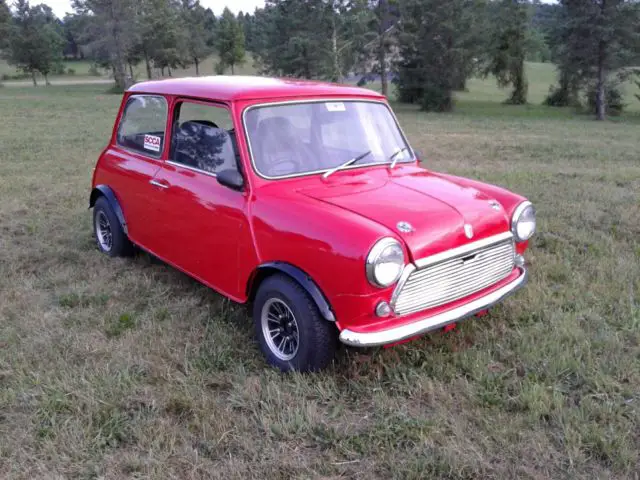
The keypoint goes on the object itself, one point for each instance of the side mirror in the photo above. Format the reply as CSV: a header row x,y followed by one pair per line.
x,y
230,178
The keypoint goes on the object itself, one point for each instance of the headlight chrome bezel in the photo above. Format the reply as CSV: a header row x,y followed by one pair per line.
x,y
374,256
517,215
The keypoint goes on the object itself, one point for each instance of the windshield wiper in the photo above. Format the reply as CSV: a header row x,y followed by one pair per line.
x,y
346,164
394,157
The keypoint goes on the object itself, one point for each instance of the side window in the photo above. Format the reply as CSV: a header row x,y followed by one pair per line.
x,y
203,137
143,123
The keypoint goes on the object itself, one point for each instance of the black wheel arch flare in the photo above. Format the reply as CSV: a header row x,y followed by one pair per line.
x,y
107,192
305,282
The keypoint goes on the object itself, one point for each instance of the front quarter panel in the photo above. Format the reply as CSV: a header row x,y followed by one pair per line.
x,y
328,243
507,199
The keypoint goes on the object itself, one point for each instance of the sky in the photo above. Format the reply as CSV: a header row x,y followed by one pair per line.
x,y
60,7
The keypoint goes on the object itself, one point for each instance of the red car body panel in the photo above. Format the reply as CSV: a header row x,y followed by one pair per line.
x,y
324,227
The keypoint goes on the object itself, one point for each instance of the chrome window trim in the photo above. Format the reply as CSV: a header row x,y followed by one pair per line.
x,y
193,169
440,257
319,100
157,158
124,149
516,215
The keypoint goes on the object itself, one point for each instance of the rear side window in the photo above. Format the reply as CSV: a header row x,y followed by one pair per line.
x,y
143,123
203,138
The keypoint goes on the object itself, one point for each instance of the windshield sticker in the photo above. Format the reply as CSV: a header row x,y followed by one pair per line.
x,y
151,142
336,107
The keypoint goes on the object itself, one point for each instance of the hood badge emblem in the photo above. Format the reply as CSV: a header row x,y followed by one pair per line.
x,y
468,230
405,227
495,205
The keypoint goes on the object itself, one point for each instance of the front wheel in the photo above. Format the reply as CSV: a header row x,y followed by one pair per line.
x,y
290,330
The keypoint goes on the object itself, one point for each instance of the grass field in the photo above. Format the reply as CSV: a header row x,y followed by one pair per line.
x,y
128,369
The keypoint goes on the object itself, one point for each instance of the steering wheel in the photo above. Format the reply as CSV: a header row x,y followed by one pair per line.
x,y
292,165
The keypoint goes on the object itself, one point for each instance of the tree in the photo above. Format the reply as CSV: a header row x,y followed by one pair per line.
x,y
508,48
110,31
73,27
210,26
346,23
433,40
165,35
229,41
34,43
247,21
310,38
5,24
383,26
597,38
194,31
290,40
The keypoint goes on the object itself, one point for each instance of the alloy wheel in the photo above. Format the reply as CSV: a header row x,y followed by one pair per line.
x,y
280,329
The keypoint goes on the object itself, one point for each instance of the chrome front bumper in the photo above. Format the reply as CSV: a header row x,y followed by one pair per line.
x,y
383,337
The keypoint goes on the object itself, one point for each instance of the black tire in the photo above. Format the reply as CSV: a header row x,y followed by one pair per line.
x,y
317,337
120,246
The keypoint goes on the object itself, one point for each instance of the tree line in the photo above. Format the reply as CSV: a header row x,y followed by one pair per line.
x,y
118,35
428,48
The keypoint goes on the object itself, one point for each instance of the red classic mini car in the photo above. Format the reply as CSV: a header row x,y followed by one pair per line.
x,y
305,200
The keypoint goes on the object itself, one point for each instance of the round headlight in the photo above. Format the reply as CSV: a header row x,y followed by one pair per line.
x,y
385,262
523,224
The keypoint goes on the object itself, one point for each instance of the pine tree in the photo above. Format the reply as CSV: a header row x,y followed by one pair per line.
x,y
433,40
247,20
194,32
292,39
229,41
597,38
320,39
508,46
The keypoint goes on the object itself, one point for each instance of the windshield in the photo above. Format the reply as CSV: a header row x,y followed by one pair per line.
x,y
314,137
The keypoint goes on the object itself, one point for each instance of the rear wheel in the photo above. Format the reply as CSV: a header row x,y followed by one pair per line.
x,y
291,332
110,236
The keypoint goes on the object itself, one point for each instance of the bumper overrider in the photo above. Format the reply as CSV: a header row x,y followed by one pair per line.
x,y
434,322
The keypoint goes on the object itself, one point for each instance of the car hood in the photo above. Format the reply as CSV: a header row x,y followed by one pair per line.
x,y
436,209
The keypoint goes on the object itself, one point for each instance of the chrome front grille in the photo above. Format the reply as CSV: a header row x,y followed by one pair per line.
x,y
449,278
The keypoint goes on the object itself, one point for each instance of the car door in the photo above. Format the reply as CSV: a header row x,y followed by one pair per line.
x,y
131,163
203,224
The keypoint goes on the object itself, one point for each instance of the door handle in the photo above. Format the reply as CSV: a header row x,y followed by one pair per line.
x,y
156,183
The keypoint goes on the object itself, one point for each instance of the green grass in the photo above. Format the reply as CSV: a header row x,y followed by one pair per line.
x,y
81,68
128,369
